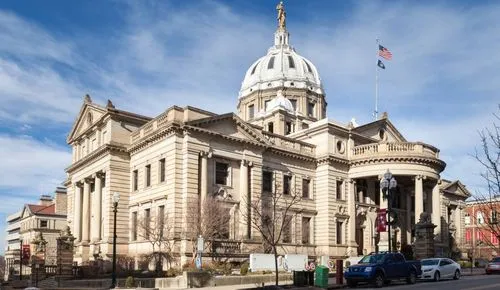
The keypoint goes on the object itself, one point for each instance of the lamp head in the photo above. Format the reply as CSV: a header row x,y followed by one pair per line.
x,y
116,197
393,183
388,175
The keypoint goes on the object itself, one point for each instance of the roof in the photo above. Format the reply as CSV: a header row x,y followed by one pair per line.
x,y
42,209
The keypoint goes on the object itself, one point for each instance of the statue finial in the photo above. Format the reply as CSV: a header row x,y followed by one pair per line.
x,y
110,105
281,16
87,99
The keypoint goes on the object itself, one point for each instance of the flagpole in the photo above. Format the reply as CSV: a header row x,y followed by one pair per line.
x,y
375,113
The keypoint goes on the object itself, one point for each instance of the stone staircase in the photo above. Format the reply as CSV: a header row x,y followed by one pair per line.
x,y
48,283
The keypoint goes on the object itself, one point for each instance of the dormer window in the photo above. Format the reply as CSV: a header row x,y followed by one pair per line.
x,y
291,63
270,65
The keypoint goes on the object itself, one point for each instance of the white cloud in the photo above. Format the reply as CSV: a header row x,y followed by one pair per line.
x,y
30,167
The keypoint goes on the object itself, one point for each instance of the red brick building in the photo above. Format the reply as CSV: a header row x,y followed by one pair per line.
x,y
482,228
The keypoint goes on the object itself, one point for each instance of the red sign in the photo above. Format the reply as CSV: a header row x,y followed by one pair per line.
x,y
26,253
382,220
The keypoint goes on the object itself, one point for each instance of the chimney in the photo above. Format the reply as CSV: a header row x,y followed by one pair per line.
x,y
45,200
61,200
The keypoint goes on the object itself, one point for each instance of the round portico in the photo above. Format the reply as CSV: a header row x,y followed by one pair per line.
x,y
416,167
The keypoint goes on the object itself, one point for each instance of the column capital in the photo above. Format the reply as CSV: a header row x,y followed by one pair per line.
x,y
351,180
100,174
79,183
244,162
419,177
89,179
206,153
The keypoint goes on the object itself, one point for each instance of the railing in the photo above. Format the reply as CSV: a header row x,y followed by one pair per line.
x,y
395,149
292,145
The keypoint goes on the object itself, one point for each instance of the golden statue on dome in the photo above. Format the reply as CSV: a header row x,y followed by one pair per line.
x,y
281,16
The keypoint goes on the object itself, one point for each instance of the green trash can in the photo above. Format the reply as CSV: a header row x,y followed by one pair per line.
x,y
321,276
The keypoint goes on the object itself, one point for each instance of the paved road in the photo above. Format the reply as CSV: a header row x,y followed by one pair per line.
x,y
482,282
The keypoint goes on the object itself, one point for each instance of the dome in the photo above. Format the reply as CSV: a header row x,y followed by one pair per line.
x,y
281,67
280,102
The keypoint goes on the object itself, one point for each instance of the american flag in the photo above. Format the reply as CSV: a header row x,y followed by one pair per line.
x,y
384,52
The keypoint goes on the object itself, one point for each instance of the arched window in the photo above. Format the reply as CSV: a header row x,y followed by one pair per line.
x,y
308,66
254,68
291,63
270,65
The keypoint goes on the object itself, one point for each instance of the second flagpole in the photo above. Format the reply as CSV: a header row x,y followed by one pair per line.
x,y
375,113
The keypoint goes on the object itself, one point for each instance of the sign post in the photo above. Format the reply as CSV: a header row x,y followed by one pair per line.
x,y
199,248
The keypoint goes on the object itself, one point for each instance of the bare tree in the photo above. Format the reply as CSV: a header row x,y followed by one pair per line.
x,y
271,214
158,231
2,267
211,221
488,203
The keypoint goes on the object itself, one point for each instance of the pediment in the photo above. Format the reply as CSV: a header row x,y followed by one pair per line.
x,y
89,114
382,130
26,212
231,125
456,188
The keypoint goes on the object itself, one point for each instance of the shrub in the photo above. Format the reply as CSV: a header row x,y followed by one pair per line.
x,y
173,272
244,269
130,283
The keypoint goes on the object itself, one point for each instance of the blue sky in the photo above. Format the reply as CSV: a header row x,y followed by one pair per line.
x,y
440,88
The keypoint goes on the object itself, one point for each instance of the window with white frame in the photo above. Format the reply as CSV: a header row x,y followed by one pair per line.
x,y
222,173
479,218
306,230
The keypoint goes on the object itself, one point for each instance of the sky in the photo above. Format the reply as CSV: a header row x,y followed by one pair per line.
x,y
440,88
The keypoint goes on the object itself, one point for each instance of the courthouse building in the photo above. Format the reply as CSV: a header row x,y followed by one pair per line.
x,y
279,134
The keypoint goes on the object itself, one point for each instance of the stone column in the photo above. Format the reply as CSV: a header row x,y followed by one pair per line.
x,y
204,155
351,211
408,218
86,210
97,208
244,200
77,217
458,224
436,210
419,196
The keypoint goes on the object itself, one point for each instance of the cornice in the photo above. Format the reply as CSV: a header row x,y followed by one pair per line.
x,y
101,151
331,159
403,159
154,138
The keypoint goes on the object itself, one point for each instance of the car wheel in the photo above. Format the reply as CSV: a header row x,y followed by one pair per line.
x,y
437,276
379,280
412,278
457,275
352,284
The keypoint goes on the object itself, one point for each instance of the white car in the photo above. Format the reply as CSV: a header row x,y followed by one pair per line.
x,y
440,268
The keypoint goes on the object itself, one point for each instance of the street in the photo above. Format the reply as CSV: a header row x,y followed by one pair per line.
x,y
478,282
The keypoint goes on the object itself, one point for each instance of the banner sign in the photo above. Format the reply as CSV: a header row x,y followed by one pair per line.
x,y
382,220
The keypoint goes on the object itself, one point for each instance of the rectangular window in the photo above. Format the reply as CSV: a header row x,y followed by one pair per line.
x,y
306,230
310,109
148,175
291,63
294,104
339,190
221,173
147,223
43,223
161,219
162,169
494,238
136,179
266,103
287,184
251,111
134,226
270,127
287,229
267,181
288,128
467,219
306,184
339,233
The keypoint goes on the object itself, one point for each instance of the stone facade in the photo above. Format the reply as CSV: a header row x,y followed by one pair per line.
x,y
280,133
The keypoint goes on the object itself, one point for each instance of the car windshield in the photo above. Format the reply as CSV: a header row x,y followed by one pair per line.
x,y
372,259
430,262
496,260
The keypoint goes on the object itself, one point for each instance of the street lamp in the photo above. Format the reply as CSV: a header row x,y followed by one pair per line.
x,y
116,198
21,259
388,185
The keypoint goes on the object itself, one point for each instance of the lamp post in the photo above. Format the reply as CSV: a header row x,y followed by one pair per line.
x,y
388,185
21,259
116,198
